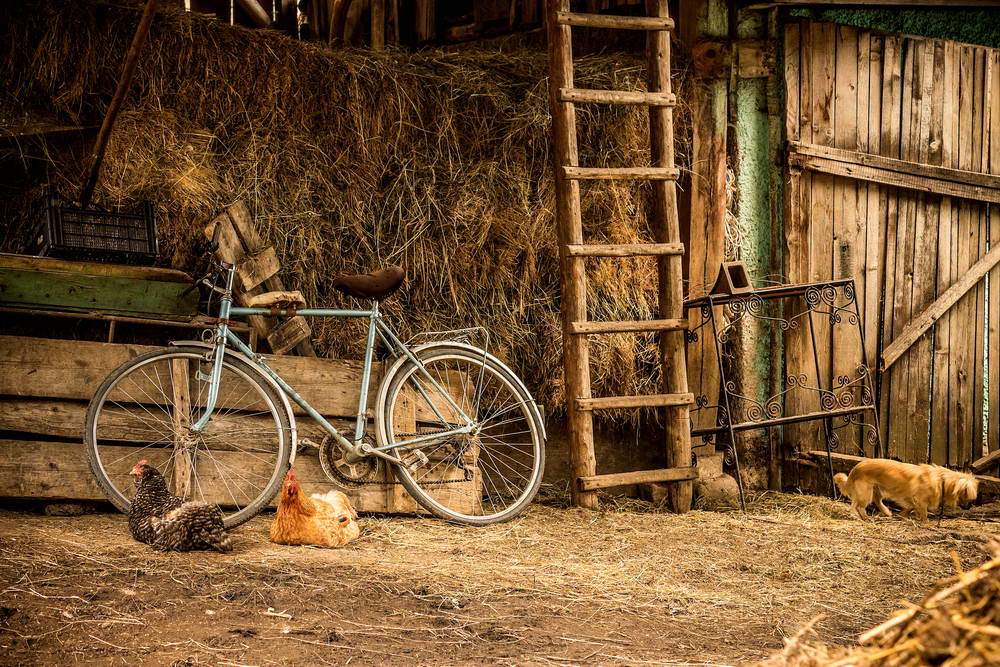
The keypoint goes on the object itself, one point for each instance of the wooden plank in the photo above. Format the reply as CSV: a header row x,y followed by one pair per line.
x,y
576,357
986,462
894,178
821,250
75,369
706,206
42,469
932,172
180,413
425,20
848,254
378,25
622,173
798,125
644,401
981,162
961,393
255,269
652,23
625,250
79,292
587,328
639,477
922,322
889,140
924,266
943,332
147,273
670,271
874,221
288,334
583,95
993,316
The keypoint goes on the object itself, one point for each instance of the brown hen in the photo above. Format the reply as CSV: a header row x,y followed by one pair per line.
x,y
323,521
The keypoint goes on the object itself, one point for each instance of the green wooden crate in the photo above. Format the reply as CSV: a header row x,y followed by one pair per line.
x,y
46,284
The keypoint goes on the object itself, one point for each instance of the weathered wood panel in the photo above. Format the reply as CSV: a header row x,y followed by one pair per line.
x,y
869,101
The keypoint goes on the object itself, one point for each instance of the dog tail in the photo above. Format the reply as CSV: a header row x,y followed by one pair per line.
x,y
841,480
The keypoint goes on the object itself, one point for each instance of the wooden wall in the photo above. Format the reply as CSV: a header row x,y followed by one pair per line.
x,y
924,102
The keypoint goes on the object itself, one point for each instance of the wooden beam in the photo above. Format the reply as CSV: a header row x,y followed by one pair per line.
x,y
636,326
258,14
378,24
898,173
180,417
625,250
938,172
622,173
922,322
617,97
653,23
595,482
643,401
124,81
425,20
986,462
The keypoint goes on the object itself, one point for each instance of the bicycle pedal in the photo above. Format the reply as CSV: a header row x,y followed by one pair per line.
x,y
414,460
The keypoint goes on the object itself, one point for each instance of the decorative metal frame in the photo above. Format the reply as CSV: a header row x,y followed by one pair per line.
x,y
841,406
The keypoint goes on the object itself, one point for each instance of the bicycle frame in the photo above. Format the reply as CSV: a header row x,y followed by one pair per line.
x,y
376,328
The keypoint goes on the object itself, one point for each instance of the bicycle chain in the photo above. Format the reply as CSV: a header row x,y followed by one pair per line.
x,y
333,472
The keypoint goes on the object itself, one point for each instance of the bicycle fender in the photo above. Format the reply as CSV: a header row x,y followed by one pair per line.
x,y
384,385
242,357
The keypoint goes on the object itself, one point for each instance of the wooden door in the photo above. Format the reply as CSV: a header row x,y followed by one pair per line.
x,y
871,120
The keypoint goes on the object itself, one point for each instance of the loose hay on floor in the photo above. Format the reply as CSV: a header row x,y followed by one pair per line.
x,y
555,586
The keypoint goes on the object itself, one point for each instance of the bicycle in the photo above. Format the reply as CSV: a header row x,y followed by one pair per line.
x,y
458,428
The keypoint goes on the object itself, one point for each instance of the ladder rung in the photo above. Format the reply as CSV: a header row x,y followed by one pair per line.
x,y
627,326
638,477
625,173
625,249
611,21
617,97
644,401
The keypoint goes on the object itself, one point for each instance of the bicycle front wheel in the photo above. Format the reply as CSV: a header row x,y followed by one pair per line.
x,y
145,408
468,432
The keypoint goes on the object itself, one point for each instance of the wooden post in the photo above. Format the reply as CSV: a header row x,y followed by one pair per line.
x,y
702,25
576,358
131,58
378,25
666,227
181,417
425,20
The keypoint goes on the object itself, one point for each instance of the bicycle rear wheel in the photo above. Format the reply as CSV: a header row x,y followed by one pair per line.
x,y
144,409
487,475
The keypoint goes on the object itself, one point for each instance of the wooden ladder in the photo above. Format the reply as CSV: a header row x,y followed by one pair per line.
x,y
574,251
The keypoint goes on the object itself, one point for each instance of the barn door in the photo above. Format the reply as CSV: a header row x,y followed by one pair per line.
x,y
877,127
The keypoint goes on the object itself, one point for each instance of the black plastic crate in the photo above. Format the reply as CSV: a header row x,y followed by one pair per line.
x,y
71,232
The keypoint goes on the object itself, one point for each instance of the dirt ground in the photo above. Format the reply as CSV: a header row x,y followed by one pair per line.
x,y
627,585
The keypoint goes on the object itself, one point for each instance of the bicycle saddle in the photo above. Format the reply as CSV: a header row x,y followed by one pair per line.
x,y
376,285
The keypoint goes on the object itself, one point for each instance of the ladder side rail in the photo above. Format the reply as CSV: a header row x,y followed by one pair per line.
x,y
666,229
576,357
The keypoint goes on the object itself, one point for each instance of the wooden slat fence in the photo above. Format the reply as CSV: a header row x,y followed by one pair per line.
x,y
894,158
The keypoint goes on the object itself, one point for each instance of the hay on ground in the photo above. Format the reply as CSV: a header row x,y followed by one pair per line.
x,y
349,160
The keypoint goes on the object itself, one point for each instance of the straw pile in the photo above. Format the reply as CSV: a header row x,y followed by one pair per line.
x,y
956,625
436,160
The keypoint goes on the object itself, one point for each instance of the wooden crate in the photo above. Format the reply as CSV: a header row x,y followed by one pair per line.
x,y
45,386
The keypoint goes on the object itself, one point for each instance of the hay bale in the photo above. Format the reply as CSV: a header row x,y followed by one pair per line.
x,y
349,160
957,624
